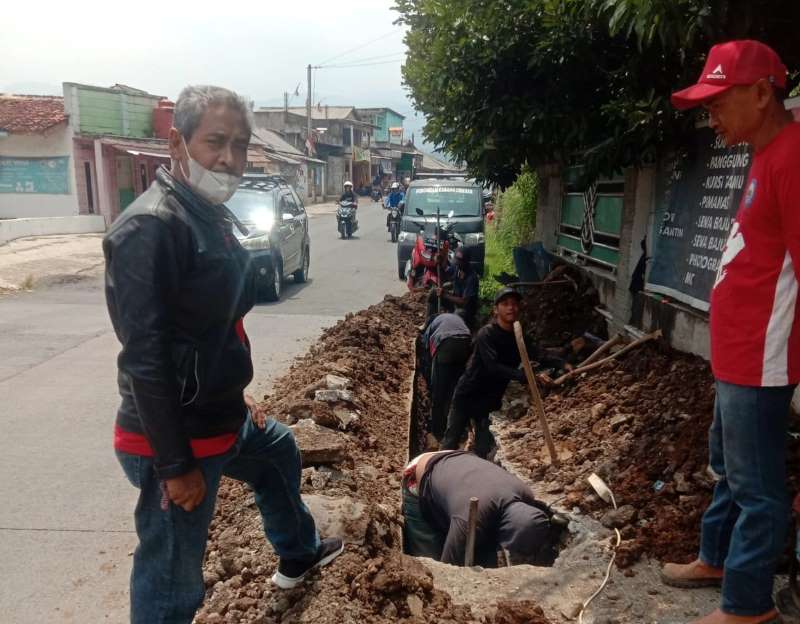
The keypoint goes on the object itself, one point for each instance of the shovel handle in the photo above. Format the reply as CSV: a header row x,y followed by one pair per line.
x,y
536,397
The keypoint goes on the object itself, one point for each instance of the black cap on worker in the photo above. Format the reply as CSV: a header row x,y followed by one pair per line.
x,y
507,292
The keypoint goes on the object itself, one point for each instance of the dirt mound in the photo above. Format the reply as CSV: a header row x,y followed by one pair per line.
x,y
640,422
523,612
372,582
554,315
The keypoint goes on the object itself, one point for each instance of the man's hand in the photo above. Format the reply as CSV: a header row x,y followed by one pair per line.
x,y
257,413
187,491
439,292
544,379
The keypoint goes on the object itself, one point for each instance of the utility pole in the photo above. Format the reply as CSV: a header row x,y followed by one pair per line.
x,y
308,112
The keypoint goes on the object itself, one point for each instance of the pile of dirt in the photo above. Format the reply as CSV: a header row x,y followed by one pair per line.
x,y
641,422
555,315
372,582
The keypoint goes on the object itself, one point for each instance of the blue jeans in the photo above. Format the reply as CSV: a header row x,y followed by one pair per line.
x,y
744,528
167,579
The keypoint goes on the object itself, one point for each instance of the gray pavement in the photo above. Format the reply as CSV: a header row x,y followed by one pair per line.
x,y
66,529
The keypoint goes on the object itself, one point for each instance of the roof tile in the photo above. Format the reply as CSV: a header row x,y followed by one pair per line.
x,y
24,114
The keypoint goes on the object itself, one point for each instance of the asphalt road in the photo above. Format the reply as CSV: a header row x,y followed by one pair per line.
x,y
66,525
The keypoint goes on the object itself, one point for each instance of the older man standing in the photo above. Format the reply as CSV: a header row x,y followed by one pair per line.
x,y
178,285
755,336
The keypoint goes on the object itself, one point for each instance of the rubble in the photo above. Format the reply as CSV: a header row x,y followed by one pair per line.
x,y
340,516
354,493
640,422
319,445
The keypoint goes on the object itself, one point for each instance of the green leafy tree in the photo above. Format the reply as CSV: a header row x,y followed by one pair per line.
x,y
510,82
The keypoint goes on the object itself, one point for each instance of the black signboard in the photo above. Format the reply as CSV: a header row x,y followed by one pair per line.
x,y
700,195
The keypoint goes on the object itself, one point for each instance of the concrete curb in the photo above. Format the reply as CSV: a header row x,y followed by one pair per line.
x,y
49,226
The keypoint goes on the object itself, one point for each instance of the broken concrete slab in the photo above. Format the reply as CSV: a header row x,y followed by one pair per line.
x,y
345,418
336,382
319,445
334,396
342,517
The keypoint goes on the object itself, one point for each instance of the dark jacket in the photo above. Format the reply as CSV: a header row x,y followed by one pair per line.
x,y
348,196
177,284
494,362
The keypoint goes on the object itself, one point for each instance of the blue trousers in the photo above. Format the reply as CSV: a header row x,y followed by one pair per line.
x,y
167,579
744,528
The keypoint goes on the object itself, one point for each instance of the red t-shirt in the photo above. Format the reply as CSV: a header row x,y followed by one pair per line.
x,y
755,320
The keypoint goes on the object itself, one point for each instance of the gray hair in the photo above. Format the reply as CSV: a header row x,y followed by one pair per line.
x,y
195,100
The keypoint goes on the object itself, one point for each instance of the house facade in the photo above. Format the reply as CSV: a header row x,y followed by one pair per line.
x,y
36,158
339,138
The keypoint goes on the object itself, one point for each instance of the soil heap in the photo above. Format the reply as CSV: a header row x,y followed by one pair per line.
x,y
372,582
641,422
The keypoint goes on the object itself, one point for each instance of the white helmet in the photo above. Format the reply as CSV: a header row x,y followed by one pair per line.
x,y
395,185
348,183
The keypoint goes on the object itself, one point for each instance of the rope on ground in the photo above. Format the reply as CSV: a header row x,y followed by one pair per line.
x,y
605,493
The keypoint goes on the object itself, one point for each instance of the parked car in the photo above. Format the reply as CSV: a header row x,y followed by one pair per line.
x,y
278,239
460,197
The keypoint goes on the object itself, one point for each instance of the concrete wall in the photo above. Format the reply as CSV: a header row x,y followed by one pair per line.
x,y
56,141
686,329
22,228
336,174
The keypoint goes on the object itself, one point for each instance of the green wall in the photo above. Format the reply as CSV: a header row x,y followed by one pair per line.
x,y
104,112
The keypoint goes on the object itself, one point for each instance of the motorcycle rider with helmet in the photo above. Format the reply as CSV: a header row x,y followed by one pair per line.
x,y
349,194
393,200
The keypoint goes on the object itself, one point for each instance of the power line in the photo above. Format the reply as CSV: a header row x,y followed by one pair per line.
x,y
363,45
366,58
397,60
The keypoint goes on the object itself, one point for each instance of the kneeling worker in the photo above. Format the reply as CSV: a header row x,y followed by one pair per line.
x,y
437,488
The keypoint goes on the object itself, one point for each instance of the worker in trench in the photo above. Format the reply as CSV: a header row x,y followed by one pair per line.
x,y
178,285
437,488
446,345
494,363
755,337
464,298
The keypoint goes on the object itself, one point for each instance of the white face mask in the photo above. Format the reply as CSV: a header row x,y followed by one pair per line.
x,y
214,186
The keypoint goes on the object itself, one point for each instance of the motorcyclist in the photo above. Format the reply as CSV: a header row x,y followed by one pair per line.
x,y
349,194
393,200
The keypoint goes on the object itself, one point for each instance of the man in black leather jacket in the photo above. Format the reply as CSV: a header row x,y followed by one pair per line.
x,y
178,285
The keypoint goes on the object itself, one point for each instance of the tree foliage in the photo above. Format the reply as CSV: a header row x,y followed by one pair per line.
x,y
509,82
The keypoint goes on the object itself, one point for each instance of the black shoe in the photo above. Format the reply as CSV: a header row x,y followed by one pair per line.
x,y
291,572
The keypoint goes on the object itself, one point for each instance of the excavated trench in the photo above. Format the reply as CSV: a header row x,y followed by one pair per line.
x,y
639,422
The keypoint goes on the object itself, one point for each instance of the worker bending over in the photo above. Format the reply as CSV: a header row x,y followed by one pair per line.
x,y
437,488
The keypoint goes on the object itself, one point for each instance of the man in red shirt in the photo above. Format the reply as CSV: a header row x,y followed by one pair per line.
x,y
755,336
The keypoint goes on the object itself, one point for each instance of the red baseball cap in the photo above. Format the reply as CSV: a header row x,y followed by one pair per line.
x,y
729,64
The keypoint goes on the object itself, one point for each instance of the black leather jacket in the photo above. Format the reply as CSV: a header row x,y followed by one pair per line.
x,y
177,283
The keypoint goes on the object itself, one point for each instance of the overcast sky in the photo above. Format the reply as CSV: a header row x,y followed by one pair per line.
x,y
259,49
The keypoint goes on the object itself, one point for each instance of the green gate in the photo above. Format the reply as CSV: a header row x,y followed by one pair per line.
x,y
591,219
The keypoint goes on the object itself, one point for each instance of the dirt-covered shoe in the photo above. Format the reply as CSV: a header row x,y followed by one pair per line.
x,y
291,572
720,617
691,575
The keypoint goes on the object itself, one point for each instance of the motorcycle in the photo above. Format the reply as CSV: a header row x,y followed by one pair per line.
x,y
394,219
432,255
346,218
376,194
